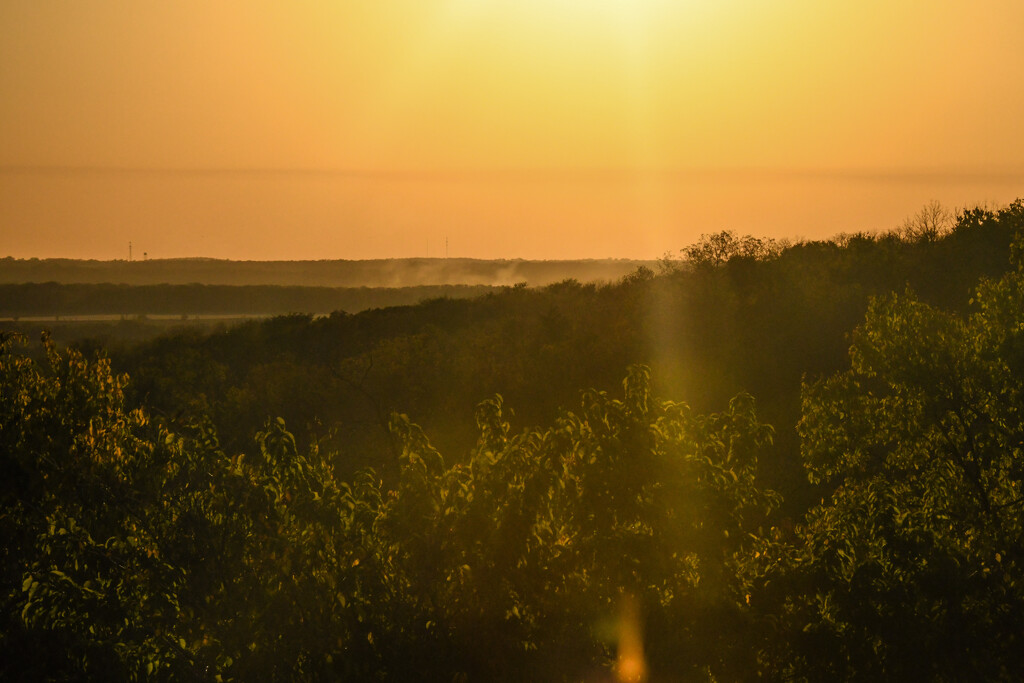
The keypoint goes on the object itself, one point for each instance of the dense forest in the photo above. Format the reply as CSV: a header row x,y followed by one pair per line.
x,y
52,299
782,461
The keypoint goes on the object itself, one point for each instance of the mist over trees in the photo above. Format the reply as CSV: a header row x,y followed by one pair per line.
x,y
780,461
387,273
52,299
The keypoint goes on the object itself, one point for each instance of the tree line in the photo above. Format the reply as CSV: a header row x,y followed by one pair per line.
x,y
646,538
57,299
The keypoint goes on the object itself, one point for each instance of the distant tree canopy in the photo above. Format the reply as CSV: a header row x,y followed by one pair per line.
x,y
630,536
931,222
720,247
745,325
78,299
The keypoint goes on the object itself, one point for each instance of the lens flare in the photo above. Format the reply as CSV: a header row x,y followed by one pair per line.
x,y
630,666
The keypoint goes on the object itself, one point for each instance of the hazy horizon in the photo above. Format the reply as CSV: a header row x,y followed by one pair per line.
x,y
314,214
511,128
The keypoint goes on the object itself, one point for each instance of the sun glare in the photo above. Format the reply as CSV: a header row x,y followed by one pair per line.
x,y
601,10
578,18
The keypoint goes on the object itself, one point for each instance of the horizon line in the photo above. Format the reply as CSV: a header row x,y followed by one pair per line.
x,y
330,260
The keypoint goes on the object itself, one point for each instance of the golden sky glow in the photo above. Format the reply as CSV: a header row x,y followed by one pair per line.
x,y
491,85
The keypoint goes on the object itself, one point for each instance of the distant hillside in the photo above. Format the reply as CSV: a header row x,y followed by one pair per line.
x,y
35,299
337,273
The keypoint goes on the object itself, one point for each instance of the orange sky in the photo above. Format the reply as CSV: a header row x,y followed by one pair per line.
x,y
132,89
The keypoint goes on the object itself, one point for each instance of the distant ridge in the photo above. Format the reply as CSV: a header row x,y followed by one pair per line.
x,y
404,272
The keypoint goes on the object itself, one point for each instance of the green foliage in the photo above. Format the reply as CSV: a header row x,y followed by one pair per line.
x,y
754,325
912,566
146,544
132,551
531,544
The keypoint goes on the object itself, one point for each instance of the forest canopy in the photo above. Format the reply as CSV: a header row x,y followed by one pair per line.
x,y
164,524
